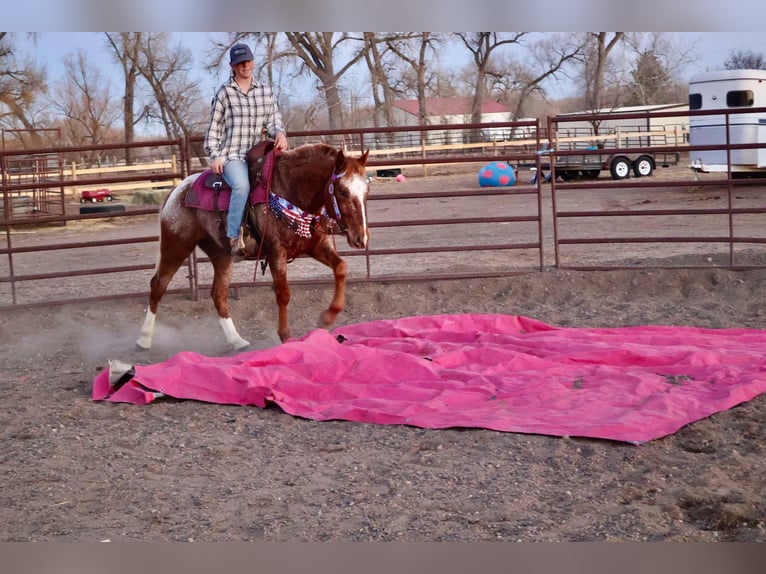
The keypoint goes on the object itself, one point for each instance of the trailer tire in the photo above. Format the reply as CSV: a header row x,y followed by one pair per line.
x,y
619,168
643,166
590,173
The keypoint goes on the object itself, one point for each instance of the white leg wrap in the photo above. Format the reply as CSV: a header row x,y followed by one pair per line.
x,y
147,331
232,337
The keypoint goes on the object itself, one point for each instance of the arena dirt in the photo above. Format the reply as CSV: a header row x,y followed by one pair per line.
x,y
76,470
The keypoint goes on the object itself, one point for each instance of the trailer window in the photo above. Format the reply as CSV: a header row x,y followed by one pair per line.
x,y
740,99
695,101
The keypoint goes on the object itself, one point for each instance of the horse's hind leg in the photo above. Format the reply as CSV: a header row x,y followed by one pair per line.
x,y
222,265
169,262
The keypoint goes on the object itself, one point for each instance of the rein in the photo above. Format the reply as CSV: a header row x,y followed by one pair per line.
x,y
277,153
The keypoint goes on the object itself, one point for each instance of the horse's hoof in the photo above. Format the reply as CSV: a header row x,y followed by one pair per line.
x,y
240,346
234,352
327,318
140,347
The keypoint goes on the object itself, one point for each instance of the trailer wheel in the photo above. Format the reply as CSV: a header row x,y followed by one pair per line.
x,y
620,168
643,166
591,173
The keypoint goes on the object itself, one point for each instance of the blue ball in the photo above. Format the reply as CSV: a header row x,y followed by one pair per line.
x,y
496,174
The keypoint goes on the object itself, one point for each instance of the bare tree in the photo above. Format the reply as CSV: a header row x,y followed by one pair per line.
x,y
655,77
596,66
515,80
382,91
416,51
482,46
84,100
125,46
178,104
318,52
745,60
22,84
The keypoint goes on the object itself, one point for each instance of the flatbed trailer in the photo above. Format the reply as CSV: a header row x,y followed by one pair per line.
x,y
619,164
618,142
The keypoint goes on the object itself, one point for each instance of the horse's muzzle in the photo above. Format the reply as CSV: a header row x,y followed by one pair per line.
x,y
359,240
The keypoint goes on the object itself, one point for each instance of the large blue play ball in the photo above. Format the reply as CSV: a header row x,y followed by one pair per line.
x,y
496,174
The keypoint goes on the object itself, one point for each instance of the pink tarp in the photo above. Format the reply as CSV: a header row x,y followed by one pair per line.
x,y
501,372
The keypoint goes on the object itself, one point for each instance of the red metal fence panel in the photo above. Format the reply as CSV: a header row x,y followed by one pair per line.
x,y
569,207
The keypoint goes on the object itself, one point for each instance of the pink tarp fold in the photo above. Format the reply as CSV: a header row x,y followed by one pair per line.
x,y
501,372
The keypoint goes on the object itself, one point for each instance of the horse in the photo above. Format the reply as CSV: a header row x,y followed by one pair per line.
x,y
327,192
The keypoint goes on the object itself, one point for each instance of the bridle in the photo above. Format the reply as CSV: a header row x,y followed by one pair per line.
x,y
331,191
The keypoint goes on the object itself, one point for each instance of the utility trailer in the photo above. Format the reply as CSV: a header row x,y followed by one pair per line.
x,y
619,165
615,146
726,91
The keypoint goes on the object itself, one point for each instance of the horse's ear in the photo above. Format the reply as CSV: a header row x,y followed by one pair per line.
x,y
363,159
340,161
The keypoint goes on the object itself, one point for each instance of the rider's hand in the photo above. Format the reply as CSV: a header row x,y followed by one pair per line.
x,y
217,166
280,142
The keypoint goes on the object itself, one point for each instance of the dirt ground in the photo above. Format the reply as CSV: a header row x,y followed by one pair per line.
x,y
75,470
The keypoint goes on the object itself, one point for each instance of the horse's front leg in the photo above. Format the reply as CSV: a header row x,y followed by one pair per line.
x,y
278,266
325,253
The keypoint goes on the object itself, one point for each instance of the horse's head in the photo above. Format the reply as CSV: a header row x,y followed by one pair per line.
x,y
348,191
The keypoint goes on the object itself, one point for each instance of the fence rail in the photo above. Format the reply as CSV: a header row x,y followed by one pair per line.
x,y
439,224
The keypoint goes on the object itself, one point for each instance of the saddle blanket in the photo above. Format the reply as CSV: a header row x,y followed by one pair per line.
x,y
201,196
502,372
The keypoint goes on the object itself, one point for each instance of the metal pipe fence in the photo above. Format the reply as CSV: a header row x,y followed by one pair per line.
x,y
440,224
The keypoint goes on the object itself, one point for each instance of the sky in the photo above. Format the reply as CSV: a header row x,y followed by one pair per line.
x,y
50,48
714,47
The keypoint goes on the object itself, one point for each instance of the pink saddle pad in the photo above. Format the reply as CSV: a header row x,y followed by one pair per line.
x,y
202,196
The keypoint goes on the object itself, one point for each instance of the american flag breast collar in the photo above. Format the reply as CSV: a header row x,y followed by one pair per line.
x,y
302,222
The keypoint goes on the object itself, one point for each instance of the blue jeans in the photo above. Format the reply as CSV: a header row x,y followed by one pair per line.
x,y
235,174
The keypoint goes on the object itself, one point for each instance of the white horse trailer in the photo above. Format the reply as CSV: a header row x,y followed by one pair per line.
x,y
728,89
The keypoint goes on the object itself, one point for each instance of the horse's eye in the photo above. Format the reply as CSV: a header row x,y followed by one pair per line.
x,y
343,192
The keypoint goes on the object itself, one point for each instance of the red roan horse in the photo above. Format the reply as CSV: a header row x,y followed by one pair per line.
x,y
331,190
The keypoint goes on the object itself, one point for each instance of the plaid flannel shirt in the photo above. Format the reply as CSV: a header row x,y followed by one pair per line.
x,y
237,118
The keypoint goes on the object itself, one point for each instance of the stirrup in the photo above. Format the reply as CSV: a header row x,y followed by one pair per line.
x,y
237,248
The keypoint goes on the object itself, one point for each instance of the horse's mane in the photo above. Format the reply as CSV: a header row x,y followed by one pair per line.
x,y
311,151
